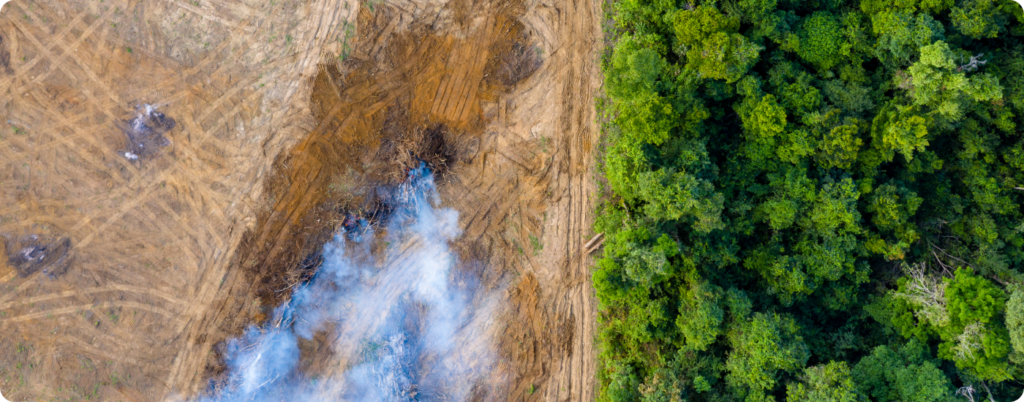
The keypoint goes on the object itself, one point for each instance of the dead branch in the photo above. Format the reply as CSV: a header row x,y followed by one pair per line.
x,y
926,291
969,341
949,255
973,63
594,243
988,391
945,268
966,392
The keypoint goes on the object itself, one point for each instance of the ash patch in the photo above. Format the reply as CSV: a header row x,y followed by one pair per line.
x,y
31,253
145,133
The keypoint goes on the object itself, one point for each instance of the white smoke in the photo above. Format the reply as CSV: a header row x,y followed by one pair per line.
x,y
401,328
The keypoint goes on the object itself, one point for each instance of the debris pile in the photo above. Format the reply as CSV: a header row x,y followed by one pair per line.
x,y
32,252
145,132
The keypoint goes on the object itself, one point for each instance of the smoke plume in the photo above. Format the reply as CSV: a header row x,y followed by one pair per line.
x,y
402,327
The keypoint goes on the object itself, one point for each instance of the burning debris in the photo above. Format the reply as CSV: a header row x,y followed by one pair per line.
x,y
384,203
414,335
145,132
31,253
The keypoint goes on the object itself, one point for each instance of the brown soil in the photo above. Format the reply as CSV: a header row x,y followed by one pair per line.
x,y
275,139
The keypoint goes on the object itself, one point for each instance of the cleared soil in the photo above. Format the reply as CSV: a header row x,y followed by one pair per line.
x,y
285,114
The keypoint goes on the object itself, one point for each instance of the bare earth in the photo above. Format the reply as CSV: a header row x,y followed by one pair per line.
x,y
172,253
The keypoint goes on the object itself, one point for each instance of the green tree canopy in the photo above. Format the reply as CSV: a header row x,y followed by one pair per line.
x,y
825,383
811,200
944,88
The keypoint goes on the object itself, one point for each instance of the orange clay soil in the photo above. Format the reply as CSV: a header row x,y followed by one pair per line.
x,y
286,115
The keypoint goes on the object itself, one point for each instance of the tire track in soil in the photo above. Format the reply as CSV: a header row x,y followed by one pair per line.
x,y
515,186
281,234
549,341
135,226
138,225
215,307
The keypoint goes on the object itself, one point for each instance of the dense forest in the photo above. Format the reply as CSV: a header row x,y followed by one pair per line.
x,y
812,200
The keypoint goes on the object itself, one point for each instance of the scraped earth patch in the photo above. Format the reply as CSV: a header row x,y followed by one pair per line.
x,y
286,117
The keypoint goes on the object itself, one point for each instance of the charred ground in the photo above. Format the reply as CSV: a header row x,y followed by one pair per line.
x,y
277,141
338,175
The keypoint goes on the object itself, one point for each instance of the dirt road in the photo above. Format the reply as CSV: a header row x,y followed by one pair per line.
x,y
175,252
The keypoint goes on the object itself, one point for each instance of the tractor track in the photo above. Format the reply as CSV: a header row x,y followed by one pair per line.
x,y
163,249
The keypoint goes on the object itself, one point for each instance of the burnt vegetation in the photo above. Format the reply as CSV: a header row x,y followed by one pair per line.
x,y
340,176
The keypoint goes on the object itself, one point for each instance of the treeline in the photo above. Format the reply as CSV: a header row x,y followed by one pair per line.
x,y
812,200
